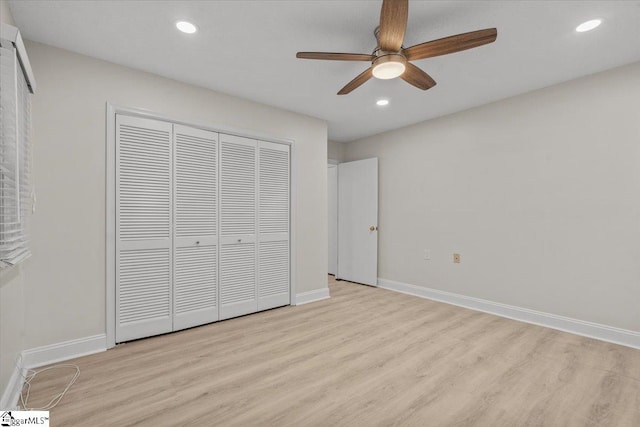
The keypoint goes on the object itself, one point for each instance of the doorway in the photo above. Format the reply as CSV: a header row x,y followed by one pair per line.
x,y
332,199
353,221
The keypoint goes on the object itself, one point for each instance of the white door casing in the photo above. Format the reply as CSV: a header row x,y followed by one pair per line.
x,y
358,221
332,202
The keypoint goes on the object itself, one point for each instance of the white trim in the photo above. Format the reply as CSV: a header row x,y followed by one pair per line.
x,y
213,127
111,111
312,296
293,202
11,394
62,351
46,355
110,288
566,324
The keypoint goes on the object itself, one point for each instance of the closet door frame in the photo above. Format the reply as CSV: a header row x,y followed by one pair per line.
x,y
110,229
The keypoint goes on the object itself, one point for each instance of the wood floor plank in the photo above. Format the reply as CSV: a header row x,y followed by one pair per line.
x,y
366,356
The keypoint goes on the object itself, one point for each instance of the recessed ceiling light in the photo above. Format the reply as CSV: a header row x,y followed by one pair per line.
x,y
186,27
589,25
382,102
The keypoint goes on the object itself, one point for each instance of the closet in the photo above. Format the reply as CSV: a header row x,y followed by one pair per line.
x,y
202,226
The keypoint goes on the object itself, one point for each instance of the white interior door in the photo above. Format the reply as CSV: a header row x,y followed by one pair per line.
x,y
273,225
144,228
238,269
332,201
358,221
196,227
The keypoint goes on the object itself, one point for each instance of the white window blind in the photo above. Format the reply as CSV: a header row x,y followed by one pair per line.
x,y
15,157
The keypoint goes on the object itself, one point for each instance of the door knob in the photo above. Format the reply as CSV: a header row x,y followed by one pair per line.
x,y
373,228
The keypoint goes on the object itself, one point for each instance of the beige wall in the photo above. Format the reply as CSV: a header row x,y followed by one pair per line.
x,y
65,280
335,151
12,299
539,193
5,13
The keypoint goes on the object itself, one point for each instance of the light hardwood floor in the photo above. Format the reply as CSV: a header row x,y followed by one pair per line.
x,y
365,357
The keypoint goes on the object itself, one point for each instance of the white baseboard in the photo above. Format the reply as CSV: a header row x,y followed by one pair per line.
x,y
579,327
11,395
66,350
312,296
46,355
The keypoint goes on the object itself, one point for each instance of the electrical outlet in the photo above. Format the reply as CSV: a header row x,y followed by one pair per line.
x,y
427,254
456,258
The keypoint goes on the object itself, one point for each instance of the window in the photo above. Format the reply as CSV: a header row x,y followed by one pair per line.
x,y
15,152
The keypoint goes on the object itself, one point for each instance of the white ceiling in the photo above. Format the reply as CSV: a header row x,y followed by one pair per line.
x,y
247,49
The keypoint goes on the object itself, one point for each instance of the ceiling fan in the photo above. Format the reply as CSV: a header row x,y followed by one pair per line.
x,y
390,59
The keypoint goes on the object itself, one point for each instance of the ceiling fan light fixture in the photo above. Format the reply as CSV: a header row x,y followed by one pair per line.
x,y
388,66
390,59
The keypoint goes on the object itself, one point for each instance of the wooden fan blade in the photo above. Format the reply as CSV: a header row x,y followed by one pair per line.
x,y
357,82
451,44
393,23
416,77
335,56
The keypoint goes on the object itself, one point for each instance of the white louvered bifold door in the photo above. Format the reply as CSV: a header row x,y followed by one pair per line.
x,y
143,227
196,227
273,225
238,194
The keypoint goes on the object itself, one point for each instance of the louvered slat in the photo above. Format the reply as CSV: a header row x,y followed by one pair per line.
x,y
144,271
237,187
274,268
231,235
196,182
196,214
273,225
274,190
144,174
237,274
195,281
238,293
144,285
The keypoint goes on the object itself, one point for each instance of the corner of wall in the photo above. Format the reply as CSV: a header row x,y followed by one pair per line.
x,y
335,151
12,327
